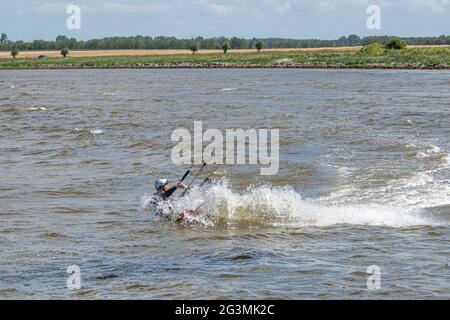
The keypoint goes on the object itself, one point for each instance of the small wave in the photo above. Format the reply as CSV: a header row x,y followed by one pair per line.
x,y
229,89
160,100
285,116
82,133
36,109
419,190
430,151
432,154
51,235
23,110
345,172
96,131
8,291
10,109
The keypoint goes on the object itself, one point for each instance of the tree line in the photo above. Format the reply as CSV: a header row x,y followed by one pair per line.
x,y
145,42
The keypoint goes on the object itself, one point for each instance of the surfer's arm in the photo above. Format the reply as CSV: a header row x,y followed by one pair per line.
x,y
169,192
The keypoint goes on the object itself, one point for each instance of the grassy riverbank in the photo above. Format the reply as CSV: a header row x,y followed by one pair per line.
x,y
411,58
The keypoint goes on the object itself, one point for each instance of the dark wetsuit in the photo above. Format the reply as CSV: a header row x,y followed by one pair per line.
x,y
158,197
166,195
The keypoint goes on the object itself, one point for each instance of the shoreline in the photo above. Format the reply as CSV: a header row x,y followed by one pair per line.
x,y
219,66
370,59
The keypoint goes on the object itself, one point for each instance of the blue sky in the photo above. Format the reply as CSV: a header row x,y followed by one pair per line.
x,y
326,19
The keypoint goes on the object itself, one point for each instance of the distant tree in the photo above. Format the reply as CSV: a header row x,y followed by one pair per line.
x,y
260,45
61,38
3,38
236,43
225,47
64,52
194,47
14,52
21,45
145,42
396,44
353,40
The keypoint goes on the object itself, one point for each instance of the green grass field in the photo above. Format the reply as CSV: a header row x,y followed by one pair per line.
x,y
407,58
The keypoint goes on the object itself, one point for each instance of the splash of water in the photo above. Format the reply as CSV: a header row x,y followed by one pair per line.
x,y
269,206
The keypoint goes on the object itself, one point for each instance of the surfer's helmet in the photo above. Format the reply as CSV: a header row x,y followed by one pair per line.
x,y
160,183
